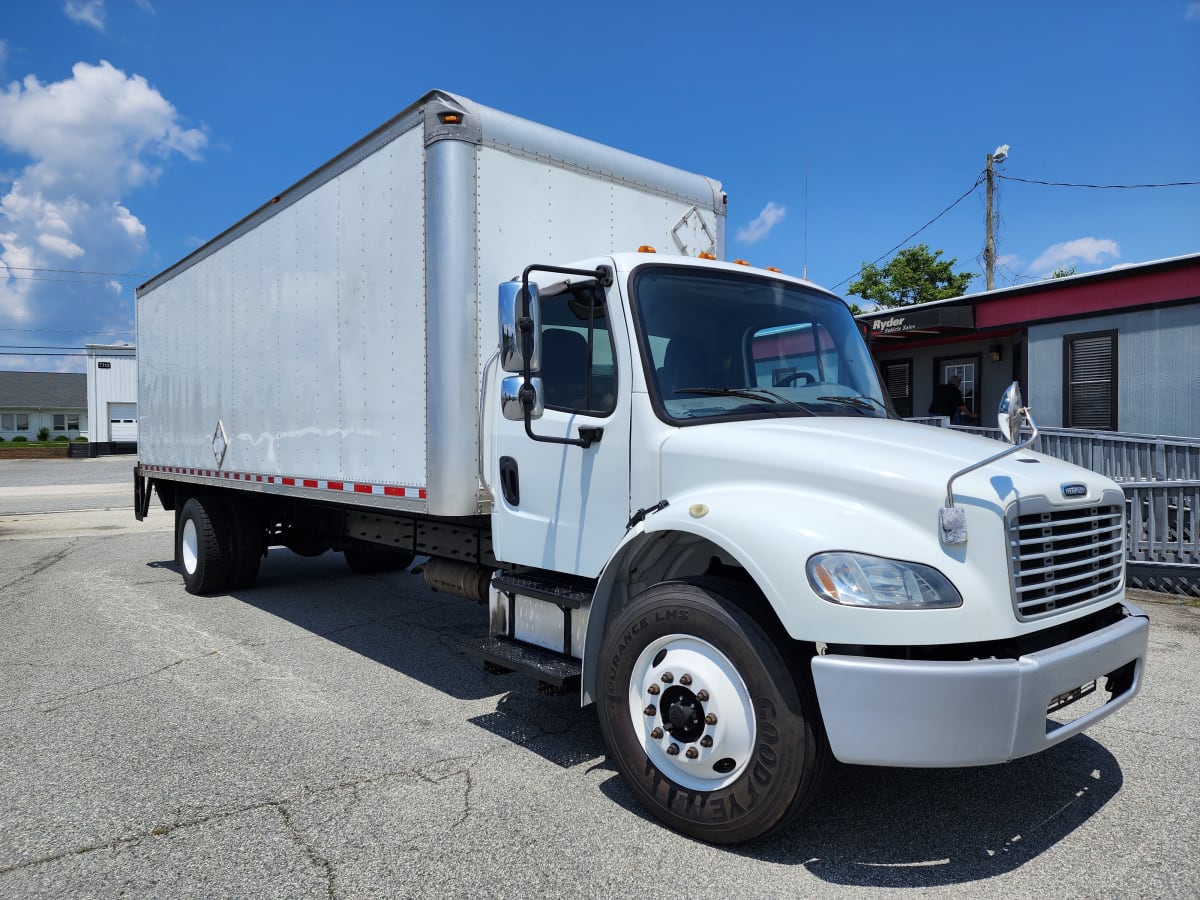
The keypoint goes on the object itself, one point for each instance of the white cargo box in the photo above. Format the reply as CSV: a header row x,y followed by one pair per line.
x,y
331,344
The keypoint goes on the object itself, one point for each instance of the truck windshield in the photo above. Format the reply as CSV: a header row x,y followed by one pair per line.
x,y
722,345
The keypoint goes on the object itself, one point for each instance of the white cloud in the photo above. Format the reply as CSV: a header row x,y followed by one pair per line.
x,y
1088,250
1192,13
87,141
86,12
771,215
62,246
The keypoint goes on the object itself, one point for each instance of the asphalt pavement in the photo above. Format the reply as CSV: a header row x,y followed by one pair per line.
x,y
323,735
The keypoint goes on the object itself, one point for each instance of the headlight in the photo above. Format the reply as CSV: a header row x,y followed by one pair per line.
x,y
855,579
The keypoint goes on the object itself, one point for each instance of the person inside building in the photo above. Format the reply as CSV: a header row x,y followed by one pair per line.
x,y
948,401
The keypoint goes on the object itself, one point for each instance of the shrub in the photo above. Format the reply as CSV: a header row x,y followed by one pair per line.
x,y
61,438
81,440
43,434
20,439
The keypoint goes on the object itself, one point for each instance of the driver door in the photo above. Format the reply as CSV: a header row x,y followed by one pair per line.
x,y
557,506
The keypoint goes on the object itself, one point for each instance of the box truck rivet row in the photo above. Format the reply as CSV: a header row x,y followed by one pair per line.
x,y
674,483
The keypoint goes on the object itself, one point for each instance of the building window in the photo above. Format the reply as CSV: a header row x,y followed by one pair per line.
x,y
60,422
6,422
22,421
897,378
1090,380
73,422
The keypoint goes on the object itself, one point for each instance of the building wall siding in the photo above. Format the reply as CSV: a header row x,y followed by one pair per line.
x,y
1158,366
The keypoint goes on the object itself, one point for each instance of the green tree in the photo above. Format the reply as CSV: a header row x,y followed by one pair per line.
x,y
1063,272
914,275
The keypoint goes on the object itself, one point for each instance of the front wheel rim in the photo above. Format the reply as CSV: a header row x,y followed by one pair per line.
x,y
691,712
189,547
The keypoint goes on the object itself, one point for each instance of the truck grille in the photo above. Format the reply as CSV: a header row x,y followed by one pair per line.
x,y
1066,557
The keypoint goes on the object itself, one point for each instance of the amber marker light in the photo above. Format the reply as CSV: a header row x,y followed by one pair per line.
x,y
740,262
451,118
646,248
706,256
775,269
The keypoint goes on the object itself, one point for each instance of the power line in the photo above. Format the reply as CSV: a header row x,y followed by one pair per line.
x,y
15,353
60,331
62,280
1097,186
39,347
73,271
961,198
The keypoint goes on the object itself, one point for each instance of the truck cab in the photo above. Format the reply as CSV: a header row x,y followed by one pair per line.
x,y
705,452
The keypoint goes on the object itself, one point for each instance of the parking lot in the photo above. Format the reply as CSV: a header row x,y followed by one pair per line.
x,y
323,735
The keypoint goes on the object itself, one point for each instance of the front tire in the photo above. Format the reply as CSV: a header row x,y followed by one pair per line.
x,y
707,723
202,545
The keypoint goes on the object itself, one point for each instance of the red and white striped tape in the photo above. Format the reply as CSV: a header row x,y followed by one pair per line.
x,y
319,484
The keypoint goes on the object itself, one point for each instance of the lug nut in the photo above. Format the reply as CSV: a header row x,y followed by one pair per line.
x,y
706,741
668,727
673,750
702,696
650,710
692,753
653,689
667,677
711,718
685,679
657,734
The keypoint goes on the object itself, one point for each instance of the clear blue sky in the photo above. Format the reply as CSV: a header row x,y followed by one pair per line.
x,y
131,131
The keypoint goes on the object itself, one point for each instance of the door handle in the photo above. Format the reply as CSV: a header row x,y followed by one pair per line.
x,y
510,481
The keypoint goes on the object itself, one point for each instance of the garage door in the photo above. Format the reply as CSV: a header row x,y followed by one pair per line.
x,y
122,422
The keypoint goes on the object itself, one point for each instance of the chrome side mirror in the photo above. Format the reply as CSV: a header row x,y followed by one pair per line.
x,y
510,398
512,341
1011,413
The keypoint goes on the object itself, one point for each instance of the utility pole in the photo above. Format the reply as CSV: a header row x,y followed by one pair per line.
x,y
989,244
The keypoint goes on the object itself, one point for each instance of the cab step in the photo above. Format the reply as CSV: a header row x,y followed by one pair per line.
x,y
502,654
560,592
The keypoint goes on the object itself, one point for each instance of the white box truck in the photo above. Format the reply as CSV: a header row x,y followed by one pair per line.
x,y
674,482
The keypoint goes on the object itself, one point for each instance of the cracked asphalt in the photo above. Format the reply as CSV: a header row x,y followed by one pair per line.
x,y
324,736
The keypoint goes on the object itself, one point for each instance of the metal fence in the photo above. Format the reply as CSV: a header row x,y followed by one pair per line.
x,y
1161,479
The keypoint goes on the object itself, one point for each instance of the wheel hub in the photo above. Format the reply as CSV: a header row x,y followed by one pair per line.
x,y
684,713
693,712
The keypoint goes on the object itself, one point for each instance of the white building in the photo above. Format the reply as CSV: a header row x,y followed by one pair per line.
x,y
112,397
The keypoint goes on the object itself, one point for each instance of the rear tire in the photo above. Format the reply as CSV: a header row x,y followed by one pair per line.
x,y
202,545
249,542
707,723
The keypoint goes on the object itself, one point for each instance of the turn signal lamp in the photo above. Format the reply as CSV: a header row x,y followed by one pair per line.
x,y
740,262
706,256
646,248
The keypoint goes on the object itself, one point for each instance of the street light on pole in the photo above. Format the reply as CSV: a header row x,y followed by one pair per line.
x,y
999,155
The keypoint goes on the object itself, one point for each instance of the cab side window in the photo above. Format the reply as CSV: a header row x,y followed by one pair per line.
x,y
578,363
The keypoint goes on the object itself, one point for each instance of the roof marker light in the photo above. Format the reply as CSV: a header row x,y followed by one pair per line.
x,y
706,256
646,248
775,269
450,118
740,262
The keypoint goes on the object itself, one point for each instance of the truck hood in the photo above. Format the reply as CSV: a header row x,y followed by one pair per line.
x,y
864,457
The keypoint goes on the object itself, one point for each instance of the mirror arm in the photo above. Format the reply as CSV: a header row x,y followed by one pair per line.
x,y
1008,451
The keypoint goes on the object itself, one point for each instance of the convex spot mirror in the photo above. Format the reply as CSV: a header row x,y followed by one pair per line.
x,y
513,343
510,398
1011,413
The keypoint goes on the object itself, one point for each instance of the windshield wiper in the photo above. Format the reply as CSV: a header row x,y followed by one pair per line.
x,y
746,394
862,401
